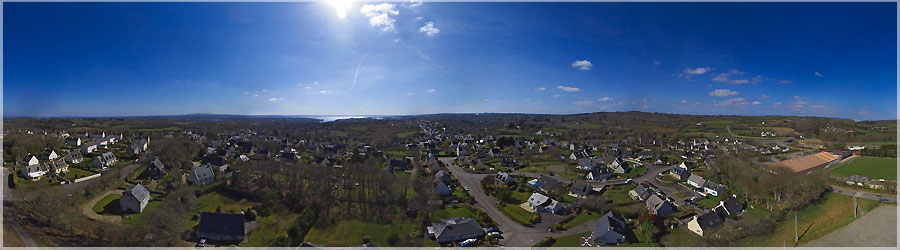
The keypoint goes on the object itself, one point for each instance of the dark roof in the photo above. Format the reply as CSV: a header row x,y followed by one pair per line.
x,y
214,160
733,205
581,188
709,220
547,182
221,224
455,227
606,224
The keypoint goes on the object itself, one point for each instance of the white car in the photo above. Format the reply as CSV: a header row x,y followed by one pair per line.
x,y
629,180
466,242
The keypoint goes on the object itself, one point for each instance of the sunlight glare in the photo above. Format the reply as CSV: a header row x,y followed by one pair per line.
x,y
341,7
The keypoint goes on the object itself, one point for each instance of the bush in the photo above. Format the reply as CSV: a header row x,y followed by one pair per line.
x,y
546,242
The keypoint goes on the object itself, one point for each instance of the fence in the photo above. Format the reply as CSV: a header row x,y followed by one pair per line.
x,y
86,178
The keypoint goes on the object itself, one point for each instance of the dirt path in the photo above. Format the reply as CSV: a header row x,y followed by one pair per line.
x,y
88,208
878,228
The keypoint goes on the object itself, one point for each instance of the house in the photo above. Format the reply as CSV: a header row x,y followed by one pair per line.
x,y
508,161
504,178
455,229
542,203
713,188
546,183
442,189
397,165
588,163
216,161
30,160
134,199
442,176
640,192
156,169
494,152
202,175
659,206
857,180
609,230
645,155
34,172
433,165
89,147
74,157
104,160
696,181
580,190
48,155
686,165
221,227
620,166
599,174
730,206
705,223
58,167
98,135
73,141
679,173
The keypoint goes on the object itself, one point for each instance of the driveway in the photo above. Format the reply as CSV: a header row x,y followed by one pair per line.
x,y
878,228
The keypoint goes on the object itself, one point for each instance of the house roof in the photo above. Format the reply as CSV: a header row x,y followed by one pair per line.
x,y
547,182
537,199
203,171
709,220
138,192
606,224
732,205
697,179
581,188
450,228
655,203
221,224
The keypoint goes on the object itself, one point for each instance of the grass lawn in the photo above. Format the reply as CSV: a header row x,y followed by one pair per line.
x,y
100,206
826,215
518,214
619,194
709,202
73,172
872,167
137,172
571,240
209,202
582,218
401,174
351,232
138,219
521,197
270,227
679,237
452,212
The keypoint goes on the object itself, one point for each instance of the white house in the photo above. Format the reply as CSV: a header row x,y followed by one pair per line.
x,y
30,160
34,172
542,203
89,147
74,141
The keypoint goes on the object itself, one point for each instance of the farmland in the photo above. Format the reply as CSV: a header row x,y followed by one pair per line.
x,y
872,167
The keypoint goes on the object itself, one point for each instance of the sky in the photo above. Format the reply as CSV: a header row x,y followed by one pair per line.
x,y
398,58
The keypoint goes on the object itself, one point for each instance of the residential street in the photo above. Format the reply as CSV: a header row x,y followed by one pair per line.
x,y
864,195
515,234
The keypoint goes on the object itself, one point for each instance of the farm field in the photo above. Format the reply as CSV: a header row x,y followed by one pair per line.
x,y
872,167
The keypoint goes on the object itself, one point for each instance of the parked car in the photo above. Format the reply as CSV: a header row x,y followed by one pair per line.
x,y
201,243
628,180
467,242
885,200
491,229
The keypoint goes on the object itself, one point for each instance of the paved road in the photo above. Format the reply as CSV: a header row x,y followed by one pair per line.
x,y
864,195
878,228
8,196
514,233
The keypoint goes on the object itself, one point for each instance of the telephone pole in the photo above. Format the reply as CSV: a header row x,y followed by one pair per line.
x,y
796,236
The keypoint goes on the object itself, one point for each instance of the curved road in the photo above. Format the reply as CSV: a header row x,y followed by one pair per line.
x,y
515,234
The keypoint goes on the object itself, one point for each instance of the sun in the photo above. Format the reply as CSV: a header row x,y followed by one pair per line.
x,y
341,7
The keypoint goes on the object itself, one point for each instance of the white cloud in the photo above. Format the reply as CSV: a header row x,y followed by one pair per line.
x,y
583,65
568,89
697,71
264,90
605,99
818,74
757,78
431,90
723,93
245,92
726,78
325,91
785,82
381,15
429,29
657,63
683,101
756,103
765,97
413,3
255,95
540,89
732,101
275,99
584,103
556,95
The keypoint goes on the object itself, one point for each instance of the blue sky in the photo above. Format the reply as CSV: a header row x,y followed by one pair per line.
x,y
110,59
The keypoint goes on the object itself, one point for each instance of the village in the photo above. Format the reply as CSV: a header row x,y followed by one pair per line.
x,y
436,186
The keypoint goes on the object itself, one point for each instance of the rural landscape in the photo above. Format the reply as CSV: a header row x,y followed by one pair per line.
x,y
356,124
499,179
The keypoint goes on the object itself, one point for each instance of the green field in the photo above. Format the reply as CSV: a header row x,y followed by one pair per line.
x,y
209,202
518,214
582,218
270,227
826,215
351,232
872,167
101,206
